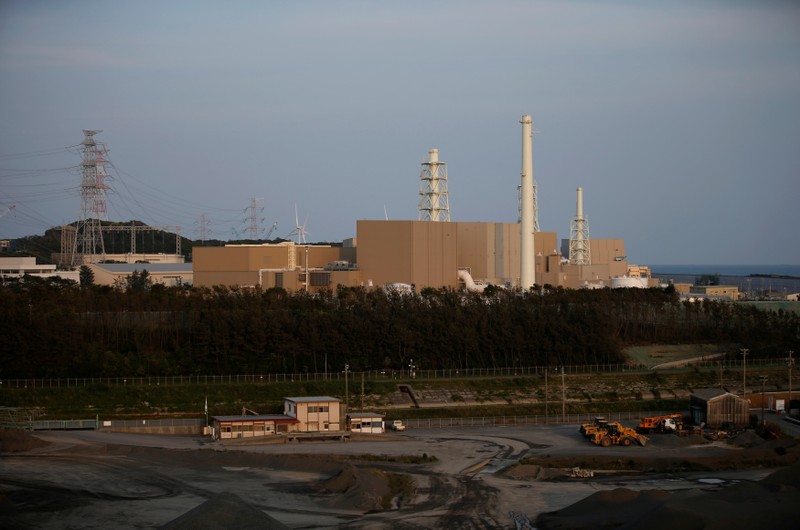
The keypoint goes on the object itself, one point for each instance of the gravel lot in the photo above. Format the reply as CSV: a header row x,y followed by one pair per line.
x,y
88,479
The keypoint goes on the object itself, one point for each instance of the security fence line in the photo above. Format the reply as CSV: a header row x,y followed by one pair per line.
x,y
415,423
405,375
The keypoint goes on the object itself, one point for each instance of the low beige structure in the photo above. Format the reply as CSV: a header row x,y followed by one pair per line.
x,y
314,414
17,267
730,292
117,274
233,427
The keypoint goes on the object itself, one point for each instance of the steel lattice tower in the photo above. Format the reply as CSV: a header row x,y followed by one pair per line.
x,y
433,200
579,243
88,233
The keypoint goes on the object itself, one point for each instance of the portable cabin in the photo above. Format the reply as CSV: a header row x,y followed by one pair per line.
x,y
230,427
366,422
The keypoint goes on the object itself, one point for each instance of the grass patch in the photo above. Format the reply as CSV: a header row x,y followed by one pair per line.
x,y
650,356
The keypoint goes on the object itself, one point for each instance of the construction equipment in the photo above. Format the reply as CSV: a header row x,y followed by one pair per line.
x,y
665,423
616,434
588,429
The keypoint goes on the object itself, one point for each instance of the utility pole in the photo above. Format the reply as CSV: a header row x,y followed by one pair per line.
x,y
546,369
563,397
346,390
790,361
744,352
362,391
763,398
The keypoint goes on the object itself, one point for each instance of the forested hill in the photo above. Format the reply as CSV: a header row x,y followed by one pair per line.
x,y
117,240
55,330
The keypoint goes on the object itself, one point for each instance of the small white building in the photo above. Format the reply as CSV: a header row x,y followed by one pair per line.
x,y
17,267
367,422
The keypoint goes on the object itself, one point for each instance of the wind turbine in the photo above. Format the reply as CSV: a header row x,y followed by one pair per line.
x,y
299,230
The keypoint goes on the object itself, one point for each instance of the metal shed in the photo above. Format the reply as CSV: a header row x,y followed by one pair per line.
x,y
717,408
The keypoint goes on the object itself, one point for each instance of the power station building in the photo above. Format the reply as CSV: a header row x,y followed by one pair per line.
x,y
415,253
432,251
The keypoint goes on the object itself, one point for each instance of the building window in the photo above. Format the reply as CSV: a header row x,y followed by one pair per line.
x,y
320,278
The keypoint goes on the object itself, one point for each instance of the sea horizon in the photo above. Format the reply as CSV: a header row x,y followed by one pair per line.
x,y
726,269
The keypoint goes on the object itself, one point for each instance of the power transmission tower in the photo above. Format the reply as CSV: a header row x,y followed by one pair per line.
x,y
434,203
203,228
254,226
88,232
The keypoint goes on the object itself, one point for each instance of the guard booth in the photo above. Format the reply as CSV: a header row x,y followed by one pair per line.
x,y
366,422
718,408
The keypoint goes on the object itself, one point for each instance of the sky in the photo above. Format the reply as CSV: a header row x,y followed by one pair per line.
x,y
680,120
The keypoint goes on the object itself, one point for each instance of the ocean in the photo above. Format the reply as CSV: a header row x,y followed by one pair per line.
x,y
739,275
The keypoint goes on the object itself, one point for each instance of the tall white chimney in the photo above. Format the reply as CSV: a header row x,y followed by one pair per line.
x,y
527,257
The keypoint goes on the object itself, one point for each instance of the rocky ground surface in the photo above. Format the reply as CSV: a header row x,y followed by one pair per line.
x,y
494,477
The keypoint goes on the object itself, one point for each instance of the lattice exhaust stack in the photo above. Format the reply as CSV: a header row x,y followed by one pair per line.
x,y
579,243
433,201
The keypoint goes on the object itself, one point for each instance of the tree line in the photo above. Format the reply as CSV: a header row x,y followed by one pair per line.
x,y
53,328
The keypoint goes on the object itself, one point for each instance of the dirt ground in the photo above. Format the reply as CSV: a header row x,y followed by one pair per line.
x,y
498,477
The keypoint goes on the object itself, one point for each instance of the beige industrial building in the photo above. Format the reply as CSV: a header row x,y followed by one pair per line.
x,y
316,414
18,267
417,253
728,292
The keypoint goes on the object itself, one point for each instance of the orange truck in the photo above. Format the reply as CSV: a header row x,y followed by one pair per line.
x,y
665,423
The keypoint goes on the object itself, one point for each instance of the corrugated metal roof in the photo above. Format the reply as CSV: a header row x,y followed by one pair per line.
x,y
707,394
261,417
365,415
128,268
312,399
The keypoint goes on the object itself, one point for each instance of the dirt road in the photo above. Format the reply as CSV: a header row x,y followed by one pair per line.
x,y
455,478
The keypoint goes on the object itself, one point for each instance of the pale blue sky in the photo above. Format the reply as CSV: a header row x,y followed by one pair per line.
x,y
681,120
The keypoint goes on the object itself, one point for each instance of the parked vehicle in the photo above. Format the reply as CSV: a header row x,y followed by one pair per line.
x,y
665,423
617,434
394,425
588,429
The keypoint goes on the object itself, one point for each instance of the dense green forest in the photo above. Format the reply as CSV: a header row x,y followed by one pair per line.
x,y
59,329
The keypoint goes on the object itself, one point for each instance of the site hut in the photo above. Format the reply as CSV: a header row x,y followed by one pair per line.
x,y
368,422
231,427
717,408
315,413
